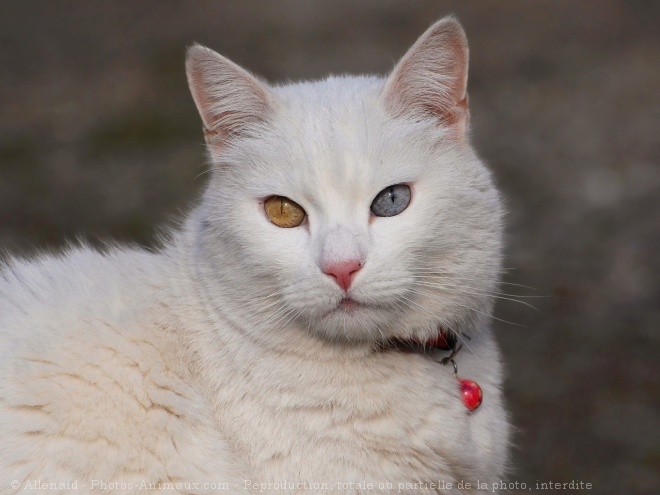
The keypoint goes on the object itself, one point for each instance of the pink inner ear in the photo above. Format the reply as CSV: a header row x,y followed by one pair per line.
x,y
229,99
431,78
457,114
198,88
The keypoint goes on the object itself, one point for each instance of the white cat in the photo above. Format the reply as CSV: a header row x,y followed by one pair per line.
x,y
281,341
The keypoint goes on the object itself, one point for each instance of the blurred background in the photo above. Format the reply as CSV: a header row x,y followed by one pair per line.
x,y
100,139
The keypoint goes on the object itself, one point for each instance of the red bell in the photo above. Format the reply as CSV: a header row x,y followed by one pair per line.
x,y
471,394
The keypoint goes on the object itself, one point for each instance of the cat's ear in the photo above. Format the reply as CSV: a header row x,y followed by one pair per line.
x,y
431,78
230,100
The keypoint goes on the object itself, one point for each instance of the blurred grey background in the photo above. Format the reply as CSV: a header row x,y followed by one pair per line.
x,y
99,139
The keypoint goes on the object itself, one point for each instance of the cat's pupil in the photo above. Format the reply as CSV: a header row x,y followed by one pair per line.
x,y
393,196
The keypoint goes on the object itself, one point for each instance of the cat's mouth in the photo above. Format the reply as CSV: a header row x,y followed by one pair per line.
x,y
348,304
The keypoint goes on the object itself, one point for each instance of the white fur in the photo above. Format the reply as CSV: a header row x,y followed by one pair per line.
x,y
224,357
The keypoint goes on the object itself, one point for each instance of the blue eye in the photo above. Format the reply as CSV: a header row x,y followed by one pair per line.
x,y
391,201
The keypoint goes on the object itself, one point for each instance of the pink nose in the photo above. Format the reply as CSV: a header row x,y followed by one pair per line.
x,y
343,272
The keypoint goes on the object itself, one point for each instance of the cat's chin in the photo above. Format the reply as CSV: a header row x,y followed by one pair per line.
x,y
353,320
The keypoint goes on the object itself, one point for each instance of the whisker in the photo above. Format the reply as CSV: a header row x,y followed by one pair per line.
x,y
494,295
475,310
455,276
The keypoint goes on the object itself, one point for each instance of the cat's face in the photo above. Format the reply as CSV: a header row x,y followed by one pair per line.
x,y
352,207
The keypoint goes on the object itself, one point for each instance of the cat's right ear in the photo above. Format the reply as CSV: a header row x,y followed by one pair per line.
x,y
230,100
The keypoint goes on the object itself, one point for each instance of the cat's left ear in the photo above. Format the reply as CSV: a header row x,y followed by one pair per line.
x,y
230,100
431,78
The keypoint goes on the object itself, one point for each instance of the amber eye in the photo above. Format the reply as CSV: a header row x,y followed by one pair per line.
x,y
283,212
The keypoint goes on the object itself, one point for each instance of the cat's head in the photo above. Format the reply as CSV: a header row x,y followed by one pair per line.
x,y
352,207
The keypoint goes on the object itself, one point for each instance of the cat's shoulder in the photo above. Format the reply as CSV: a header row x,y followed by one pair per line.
x,y
84,358
75,303
76,278
82,362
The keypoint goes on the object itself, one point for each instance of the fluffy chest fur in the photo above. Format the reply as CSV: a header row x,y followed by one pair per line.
x,y
383,418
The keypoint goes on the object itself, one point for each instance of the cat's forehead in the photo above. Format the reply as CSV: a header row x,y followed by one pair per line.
x,y
334,92
334,130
